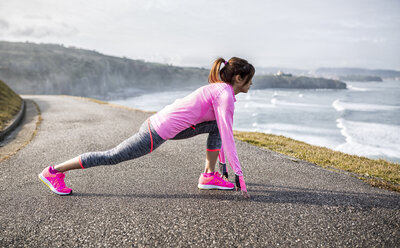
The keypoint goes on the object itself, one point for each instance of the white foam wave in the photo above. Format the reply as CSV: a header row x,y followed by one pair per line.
x,y
342,106
254,105
314,136
369,139
280,93
276,102
353,88
284,127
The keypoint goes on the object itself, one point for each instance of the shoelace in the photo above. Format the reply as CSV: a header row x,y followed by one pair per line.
x,y
217,174
219,180
59,182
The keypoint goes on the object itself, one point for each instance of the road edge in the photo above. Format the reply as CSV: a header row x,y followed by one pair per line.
x,y
26,133
14,122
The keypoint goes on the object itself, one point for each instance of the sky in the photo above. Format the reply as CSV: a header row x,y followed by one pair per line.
x,y
304,34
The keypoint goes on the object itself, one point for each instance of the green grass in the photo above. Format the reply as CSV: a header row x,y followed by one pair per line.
x,y
10,104
379,173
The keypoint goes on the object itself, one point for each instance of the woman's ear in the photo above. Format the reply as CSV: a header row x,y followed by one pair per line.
x,y
238,78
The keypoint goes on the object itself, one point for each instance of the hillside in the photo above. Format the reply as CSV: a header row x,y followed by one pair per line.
x,y
10,104
53,69
31,68
361,78
298,82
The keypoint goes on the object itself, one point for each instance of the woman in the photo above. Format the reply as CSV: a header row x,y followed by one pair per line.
x,y
209,109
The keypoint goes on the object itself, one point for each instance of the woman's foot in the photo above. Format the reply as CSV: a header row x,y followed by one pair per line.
x,y
214,181
55,181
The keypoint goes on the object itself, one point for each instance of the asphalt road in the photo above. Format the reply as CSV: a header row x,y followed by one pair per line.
x,y
154,200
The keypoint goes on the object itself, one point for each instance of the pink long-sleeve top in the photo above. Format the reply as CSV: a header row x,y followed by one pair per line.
x,y
210,102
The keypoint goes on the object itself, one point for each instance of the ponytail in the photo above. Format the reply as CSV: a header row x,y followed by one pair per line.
x,y
235,66
213,77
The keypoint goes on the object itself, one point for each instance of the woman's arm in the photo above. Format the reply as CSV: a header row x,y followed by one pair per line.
x,y
224,110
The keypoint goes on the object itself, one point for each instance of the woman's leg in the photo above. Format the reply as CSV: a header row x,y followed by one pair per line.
x,y
208,179
142,143
71,164
213,141
136,146
211,160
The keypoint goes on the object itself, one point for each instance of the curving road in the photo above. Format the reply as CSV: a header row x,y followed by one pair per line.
x,y
154,201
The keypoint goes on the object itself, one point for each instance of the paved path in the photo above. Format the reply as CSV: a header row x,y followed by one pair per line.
x,y
154,201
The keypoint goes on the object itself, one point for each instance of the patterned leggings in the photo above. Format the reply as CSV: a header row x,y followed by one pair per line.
x,y
147,140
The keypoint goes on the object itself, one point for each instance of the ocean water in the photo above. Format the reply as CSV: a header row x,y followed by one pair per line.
x,y
363,120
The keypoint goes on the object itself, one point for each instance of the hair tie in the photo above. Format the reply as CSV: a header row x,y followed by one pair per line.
x,y
226,62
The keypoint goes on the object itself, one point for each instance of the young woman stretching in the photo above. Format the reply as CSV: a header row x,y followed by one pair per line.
x,y
209,109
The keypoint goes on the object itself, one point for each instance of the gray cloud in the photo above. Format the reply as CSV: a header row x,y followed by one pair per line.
x,y
4,24
39,31
307,33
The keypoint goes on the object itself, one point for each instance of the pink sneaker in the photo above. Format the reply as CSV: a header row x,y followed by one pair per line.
x,y
55,181
217,174
214,181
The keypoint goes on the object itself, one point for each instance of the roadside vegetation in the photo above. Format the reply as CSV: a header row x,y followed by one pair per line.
x,y
379,173
10,104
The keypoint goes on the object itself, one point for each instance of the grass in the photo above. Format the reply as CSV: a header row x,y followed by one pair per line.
x,y
379,173
10,104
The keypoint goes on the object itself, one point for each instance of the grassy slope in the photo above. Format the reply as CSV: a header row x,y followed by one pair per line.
x,y
379,173
10,104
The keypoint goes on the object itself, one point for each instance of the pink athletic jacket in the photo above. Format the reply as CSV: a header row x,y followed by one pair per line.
x,y
210,102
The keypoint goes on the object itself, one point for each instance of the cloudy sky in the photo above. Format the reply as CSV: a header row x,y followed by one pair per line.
x,y
303,34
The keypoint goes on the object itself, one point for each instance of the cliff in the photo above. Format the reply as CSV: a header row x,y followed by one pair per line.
x,y
299,82
53,69
361,78
31,68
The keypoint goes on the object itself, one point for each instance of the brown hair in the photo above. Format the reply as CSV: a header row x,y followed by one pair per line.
x,y
234,66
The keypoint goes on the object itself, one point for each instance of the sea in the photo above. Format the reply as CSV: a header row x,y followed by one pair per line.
x,y
363,119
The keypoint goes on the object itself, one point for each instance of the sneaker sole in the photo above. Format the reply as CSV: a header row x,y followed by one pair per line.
x,y
48,184
203,186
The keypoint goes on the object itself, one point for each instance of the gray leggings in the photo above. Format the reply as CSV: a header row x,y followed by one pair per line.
x,y
147,140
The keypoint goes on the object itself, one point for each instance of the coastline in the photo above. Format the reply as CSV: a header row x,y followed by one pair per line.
x,y
350,121
376,172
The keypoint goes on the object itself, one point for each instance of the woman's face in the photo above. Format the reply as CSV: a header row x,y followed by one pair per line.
x,y
241,84
245,87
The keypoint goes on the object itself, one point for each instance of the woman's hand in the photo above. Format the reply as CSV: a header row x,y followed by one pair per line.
x,y
245,195
241,186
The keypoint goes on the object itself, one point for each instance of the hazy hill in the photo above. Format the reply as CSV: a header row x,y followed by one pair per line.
x,y
54,69
31,68
356,72
274,70
361,78
299,82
